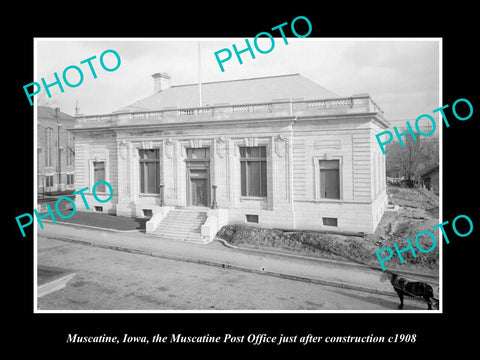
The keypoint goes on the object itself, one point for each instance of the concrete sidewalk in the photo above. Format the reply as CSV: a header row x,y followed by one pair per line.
x,y
325,272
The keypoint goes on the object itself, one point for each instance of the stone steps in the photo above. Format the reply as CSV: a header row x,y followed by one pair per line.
x,y
182,225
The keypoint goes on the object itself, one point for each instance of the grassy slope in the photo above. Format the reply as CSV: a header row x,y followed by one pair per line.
x,y
419,211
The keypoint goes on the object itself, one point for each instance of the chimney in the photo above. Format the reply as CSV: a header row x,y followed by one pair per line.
x,y
161,81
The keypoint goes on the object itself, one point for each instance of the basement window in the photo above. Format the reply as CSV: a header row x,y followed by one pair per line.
x,y
330,221
99,208
251,218
147,213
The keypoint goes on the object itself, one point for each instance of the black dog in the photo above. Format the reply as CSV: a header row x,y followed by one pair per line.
x,y
410,288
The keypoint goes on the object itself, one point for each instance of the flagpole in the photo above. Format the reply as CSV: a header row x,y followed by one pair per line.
x,y
199,76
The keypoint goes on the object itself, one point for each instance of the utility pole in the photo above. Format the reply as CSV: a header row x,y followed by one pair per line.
x,y
199,76
59,157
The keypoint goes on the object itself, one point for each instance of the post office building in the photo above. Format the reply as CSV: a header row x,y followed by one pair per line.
x,y
279,151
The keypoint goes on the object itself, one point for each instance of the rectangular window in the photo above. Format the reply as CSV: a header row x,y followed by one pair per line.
x,y
49,180
253,169
329,221
329,179
149,171
148,213
70,150
39,163
49,147
99,175
69,179
70,157
251,218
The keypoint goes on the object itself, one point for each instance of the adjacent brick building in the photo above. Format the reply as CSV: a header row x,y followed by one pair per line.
x,y
55,150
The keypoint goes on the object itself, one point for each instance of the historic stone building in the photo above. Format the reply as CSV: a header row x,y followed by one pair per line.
x,y
278,151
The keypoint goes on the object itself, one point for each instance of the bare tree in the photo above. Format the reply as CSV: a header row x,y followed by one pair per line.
x,y
405,159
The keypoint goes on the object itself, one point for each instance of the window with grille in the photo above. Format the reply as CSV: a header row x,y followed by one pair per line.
x,y
329,179
253,169
49,180
99,175
330,221
70,179
149,171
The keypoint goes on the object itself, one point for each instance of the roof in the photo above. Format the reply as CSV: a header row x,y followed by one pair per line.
x,y
234,92
46,112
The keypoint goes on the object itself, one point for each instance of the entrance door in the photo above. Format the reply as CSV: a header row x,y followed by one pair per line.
x,y
198,176
198,187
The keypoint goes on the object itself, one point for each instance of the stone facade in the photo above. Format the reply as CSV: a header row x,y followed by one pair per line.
x,y
298,136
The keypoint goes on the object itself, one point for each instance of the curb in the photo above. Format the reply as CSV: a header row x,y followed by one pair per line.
x,y
285,254
323,260
91,227
336,284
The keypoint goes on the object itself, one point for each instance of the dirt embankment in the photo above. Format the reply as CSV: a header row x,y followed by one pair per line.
x,y
418,211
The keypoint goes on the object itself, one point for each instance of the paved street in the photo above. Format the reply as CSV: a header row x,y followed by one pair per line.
x,y
115,280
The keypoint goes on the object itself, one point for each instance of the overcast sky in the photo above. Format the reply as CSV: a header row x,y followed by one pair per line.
x,y
401,76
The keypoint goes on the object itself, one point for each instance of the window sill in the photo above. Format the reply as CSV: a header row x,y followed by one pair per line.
x,y
90,192
329,200
254,198
149,195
